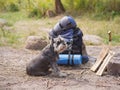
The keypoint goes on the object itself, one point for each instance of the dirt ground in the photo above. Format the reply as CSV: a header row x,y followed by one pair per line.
x,y
13,76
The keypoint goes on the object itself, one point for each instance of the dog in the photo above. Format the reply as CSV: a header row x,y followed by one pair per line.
x,y
47,59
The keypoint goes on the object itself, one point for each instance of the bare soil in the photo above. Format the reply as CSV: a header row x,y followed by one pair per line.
x,y
13,75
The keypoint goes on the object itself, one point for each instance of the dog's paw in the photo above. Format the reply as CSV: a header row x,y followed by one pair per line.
x,y
61,74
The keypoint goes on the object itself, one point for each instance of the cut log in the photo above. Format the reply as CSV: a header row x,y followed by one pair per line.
x,y
105,63
100,58
113,68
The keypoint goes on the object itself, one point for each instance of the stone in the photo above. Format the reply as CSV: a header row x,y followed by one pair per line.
x,y
92,39
113,68
35,43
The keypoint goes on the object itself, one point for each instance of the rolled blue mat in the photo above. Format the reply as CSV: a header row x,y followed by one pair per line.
x,y
74,59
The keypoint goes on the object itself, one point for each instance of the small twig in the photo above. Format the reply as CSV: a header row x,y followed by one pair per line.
x,y
48,83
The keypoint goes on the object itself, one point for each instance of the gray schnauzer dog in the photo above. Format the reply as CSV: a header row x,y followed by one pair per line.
x,y
41,64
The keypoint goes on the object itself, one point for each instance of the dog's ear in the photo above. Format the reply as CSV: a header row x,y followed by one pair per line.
x,y
60,38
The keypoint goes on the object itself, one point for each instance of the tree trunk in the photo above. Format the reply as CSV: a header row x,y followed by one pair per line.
x,y
59,7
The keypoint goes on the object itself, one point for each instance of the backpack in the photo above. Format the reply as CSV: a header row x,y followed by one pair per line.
x,y
65,24
66,27
76,47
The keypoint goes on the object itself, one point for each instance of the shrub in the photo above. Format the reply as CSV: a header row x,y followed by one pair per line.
x,y
35,12
10,38
12,7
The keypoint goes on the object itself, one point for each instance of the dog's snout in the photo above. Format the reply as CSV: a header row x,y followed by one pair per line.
x,y
65,44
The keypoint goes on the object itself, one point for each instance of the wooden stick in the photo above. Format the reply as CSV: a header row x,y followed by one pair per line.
x,y
105,63
100,58
110,36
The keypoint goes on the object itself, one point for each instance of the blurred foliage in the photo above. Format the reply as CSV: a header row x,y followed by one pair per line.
x,y
107,12
12,7
10,38
100,8
12,17
93,5
35,12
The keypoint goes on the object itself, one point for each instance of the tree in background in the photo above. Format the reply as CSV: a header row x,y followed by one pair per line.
x,y
59,7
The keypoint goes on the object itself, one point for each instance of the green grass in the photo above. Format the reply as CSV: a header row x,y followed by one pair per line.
x,y
24,27
101,28
10,39
13,17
